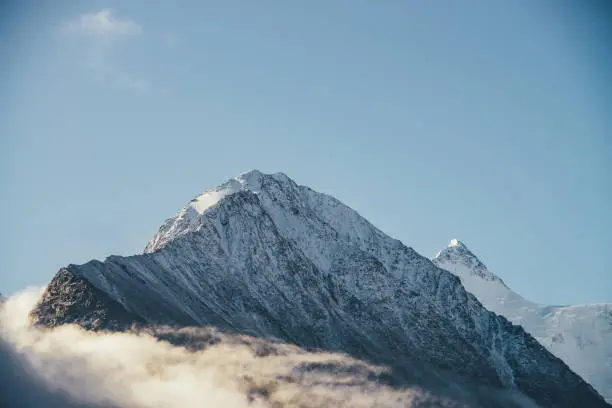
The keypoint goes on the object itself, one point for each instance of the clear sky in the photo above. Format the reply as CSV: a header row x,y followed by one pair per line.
x,y
490,122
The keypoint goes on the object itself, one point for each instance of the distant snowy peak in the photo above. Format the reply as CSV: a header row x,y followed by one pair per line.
x,y
457,258
580,335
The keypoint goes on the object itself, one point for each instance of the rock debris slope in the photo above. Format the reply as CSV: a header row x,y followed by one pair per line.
x,y
263,256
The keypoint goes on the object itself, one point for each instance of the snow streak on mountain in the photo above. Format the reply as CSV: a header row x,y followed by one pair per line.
x,y
262,256
579,335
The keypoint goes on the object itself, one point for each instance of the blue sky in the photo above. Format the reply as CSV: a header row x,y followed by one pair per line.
x,y
484,121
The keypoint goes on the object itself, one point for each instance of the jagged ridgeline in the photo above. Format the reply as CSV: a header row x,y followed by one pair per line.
x,y
263,256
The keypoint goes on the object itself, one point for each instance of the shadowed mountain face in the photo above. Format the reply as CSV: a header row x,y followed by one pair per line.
x,y
260,255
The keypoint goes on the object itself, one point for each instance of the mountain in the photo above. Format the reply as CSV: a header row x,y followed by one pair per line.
x,y
579,335
263,256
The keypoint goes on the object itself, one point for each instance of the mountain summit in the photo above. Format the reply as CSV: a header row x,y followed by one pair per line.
x,y
189,218
263,256
580,335
462,259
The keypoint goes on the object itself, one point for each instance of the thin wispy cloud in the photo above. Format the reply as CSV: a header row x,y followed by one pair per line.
x,y
99,35
103,25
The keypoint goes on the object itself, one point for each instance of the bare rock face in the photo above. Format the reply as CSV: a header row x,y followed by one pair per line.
x,y
260,255
72,299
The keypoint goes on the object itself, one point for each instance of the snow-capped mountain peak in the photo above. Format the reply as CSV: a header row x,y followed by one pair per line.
x,y
458,257
580,335
191,216
456,243
246,181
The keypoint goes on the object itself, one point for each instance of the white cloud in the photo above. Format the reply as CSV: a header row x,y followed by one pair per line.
x,y
99,35
102,24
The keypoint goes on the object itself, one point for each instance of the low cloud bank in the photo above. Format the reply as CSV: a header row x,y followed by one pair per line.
x,y
71,367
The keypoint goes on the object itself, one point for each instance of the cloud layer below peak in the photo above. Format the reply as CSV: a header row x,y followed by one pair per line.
x,y
70,367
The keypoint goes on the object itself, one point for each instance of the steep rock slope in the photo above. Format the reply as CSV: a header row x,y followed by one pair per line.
x,y
580,335
263,256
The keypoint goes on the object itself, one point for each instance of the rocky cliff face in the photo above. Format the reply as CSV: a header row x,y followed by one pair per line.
x,y
263,256
580,335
